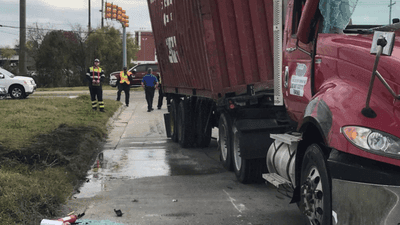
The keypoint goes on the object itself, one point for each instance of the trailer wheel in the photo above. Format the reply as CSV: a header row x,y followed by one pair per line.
x,y
246,170
203,129
225,140
184,122
315,189
173,121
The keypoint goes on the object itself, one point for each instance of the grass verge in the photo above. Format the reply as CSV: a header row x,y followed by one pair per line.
x,y
45,147
83,88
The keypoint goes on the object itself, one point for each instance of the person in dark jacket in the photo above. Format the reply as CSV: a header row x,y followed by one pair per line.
x,y
149,83
160,93
124,82
95,76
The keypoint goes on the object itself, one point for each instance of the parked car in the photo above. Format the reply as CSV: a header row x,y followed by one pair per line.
x,y
17,86
3,92
139,71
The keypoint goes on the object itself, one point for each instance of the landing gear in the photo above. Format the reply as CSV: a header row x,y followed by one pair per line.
x,y
173,121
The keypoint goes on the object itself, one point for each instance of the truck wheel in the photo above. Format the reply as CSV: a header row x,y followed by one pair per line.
x,y
17,91
184,124
246,170
173,120
203,138
315,189
225,140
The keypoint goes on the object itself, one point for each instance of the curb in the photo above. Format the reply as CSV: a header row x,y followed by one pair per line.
x,y
110,121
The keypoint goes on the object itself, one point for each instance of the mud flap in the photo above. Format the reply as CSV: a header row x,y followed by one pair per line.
x,y
167,125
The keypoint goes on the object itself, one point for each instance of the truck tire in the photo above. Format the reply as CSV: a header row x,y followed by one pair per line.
x,y
184,124
225,140
173,121
17,91
315,189
246,170
203,138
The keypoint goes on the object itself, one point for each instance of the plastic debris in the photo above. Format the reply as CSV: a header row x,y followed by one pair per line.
x,y
174,200
96,222
118,212
134,200
53,222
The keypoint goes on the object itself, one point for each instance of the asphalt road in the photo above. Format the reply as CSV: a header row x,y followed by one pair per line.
x,y
153,181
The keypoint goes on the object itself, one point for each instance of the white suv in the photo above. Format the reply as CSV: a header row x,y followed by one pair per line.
x,y
16,86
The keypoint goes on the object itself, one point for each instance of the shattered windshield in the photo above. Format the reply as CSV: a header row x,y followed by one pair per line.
x,y
338,14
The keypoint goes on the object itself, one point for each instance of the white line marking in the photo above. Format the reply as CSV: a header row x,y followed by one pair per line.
x,y
240,208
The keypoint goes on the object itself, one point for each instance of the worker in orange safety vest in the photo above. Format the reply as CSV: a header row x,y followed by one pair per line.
x,y
124,80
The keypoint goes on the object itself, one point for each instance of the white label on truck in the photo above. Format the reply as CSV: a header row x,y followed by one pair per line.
x,y
297,84
173,54
301,69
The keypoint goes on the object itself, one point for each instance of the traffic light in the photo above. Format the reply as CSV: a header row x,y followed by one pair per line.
x,y
108,11
126,22
119,14
114,12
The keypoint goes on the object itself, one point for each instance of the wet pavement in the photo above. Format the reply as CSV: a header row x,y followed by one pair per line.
x,y
153,181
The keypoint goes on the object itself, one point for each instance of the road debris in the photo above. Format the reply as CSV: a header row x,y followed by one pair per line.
x,y
118,212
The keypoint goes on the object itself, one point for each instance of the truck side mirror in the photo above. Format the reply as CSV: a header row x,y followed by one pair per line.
x,y
308,14
134,71
1,76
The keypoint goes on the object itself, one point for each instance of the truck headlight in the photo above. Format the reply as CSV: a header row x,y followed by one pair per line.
x,y
372,140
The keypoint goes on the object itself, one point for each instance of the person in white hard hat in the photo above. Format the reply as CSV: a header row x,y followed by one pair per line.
x,y
95,76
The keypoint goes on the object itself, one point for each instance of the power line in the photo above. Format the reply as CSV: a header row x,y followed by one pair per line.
x,y
8,33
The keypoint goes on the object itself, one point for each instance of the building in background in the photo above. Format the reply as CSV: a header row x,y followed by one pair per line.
x,y
147,48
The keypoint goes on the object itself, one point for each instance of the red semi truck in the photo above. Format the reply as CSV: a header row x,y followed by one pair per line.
x,y
304,94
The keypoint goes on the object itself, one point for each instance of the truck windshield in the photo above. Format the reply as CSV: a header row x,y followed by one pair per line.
x,y
356,14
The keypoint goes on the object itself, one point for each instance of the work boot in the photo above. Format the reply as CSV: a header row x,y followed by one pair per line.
x,y
94,109
102,110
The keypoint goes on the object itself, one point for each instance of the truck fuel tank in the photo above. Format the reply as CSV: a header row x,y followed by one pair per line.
x,y
281,155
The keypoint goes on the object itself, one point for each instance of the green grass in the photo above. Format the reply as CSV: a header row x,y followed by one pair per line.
x,y
46,147
22,120
84,88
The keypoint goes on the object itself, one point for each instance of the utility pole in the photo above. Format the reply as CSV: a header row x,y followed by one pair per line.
x,y
22,37
390,11
102,14
89,17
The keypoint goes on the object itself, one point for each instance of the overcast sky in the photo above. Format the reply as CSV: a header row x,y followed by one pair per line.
x,y
63,14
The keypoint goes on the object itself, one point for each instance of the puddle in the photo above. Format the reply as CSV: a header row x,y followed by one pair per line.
x,y
130,163
149,158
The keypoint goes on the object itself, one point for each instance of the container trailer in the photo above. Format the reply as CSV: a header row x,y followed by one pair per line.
x,y
304,95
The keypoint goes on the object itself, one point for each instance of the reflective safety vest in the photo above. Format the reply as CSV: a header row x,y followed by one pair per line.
x,y
124,77
93,71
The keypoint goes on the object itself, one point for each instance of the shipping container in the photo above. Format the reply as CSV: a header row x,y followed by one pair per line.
x,y
211,48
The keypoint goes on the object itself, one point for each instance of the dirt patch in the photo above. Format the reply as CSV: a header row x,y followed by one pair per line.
x,y
71,148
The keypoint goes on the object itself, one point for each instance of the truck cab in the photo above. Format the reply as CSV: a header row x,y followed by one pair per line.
x,y
340,86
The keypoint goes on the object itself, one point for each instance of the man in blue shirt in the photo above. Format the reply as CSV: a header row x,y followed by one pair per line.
x,y
149,83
